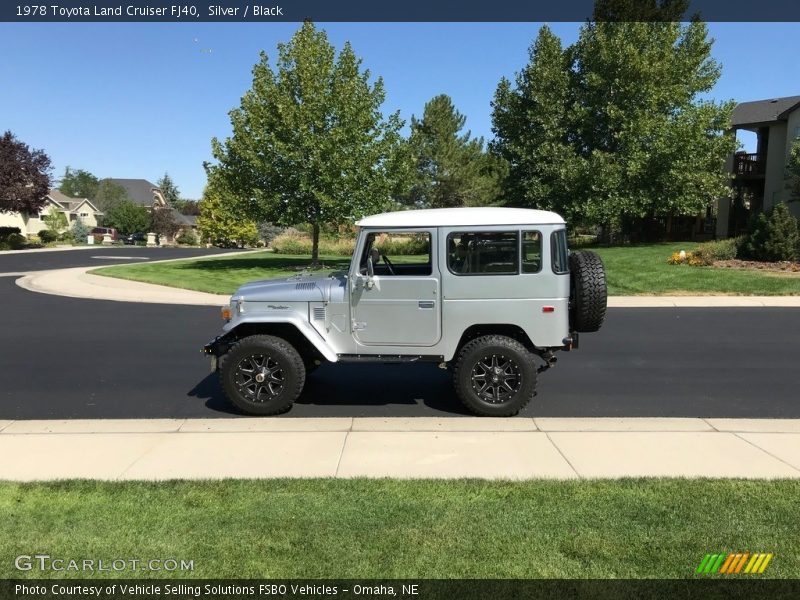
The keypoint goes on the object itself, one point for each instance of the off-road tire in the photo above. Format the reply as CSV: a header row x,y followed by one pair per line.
x,y
481,351
276,352
588,291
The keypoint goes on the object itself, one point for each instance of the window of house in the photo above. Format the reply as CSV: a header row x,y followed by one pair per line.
x,y
558,249
531,251
483,253
84,215
398,253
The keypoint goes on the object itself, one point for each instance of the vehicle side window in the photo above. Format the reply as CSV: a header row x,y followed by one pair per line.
x,y
531,251
558,250
483,253
398,253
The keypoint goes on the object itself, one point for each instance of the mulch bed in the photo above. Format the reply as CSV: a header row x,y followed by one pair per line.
x,y
784,266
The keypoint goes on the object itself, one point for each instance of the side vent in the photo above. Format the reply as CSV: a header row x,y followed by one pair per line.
x,y
319,313
306,285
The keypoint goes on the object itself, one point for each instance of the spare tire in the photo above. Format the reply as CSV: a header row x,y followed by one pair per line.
x,y
588,292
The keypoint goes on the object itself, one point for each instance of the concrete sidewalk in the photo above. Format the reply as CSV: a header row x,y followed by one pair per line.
x,y
77,283
519,448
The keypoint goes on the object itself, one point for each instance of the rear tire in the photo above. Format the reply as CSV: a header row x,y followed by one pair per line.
x,y
588,292
262,375
495,376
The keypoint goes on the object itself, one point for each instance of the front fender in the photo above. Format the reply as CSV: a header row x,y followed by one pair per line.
x,y
303,326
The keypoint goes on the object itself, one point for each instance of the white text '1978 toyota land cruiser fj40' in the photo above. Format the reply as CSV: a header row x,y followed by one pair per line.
x,y
491,293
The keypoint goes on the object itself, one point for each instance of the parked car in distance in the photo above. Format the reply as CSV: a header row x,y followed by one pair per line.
x,y
490,294
135,237
106,230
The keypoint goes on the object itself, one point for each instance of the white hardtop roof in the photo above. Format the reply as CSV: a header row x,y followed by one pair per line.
x,y
472,216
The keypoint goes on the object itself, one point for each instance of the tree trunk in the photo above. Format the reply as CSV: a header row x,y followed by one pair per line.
x,y
315,244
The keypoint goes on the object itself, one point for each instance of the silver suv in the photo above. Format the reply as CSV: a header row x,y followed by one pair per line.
x,y
488,293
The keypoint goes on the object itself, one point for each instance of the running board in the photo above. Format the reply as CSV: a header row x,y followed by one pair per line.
x,y
390,358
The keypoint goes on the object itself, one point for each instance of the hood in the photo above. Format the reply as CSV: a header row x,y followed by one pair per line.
x,y
298,288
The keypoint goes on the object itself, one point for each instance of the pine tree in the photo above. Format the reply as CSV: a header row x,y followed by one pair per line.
x,y
450,167
169,190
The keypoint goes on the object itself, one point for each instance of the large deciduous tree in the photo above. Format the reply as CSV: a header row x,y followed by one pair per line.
x,y
24,176
77,183
615,130
450,167
309,141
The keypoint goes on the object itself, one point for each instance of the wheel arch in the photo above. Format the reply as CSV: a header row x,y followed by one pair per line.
x,y
308,343
505,329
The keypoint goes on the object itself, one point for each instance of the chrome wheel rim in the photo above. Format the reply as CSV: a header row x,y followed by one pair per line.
x,y
259,378
496,378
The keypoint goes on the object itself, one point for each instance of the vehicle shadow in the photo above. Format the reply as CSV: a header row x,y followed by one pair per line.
x,y
359,386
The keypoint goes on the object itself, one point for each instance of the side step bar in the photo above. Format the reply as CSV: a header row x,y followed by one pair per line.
x,y
389,358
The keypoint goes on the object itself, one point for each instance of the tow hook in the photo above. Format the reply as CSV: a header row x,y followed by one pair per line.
x,y
549,361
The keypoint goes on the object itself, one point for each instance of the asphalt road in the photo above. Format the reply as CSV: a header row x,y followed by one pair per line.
x,y
71,358
95,256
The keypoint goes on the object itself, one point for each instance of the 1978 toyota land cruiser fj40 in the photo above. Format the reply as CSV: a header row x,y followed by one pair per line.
x,y
489,293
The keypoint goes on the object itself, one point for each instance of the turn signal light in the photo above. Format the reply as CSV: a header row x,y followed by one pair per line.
x,y
548,309
227,314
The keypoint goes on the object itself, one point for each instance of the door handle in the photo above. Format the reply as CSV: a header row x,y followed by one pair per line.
x,y
426,304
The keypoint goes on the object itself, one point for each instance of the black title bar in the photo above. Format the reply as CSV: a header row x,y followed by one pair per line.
x,y
382,10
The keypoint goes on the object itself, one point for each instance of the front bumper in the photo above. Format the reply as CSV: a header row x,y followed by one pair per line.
x,y
216,348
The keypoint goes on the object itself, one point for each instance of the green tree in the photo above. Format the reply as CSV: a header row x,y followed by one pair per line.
x,y
220,222
109,195
532,121
24,176
309,142
168,189
79,231
793,172
128,217
77,183
56,221
450,167
618,133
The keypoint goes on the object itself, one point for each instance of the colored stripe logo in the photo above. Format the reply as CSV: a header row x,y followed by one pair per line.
x,y
735,563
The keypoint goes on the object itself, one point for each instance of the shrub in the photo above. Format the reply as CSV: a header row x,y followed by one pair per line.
x,y
7,231
773,238
708,252
47,236
16,241
292,241
187,237
268,232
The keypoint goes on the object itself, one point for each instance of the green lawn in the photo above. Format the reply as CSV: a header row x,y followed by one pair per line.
x,y
405,529
631,270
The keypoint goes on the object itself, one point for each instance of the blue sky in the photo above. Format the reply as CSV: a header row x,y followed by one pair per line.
x,y
135,100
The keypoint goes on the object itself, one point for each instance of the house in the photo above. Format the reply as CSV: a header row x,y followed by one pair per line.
x,y
759,177
149,195
73,208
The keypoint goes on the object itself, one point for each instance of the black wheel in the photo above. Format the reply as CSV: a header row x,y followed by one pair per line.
x,y
588,292
262,375
495,376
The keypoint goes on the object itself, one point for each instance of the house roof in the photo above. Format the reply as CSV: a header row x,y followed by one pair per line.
x,y
472,216
70,204
140,191
764,111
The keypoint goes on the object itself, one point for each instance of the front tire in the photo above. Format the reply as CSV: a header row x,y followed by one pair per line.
x,y
262,375
495,376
